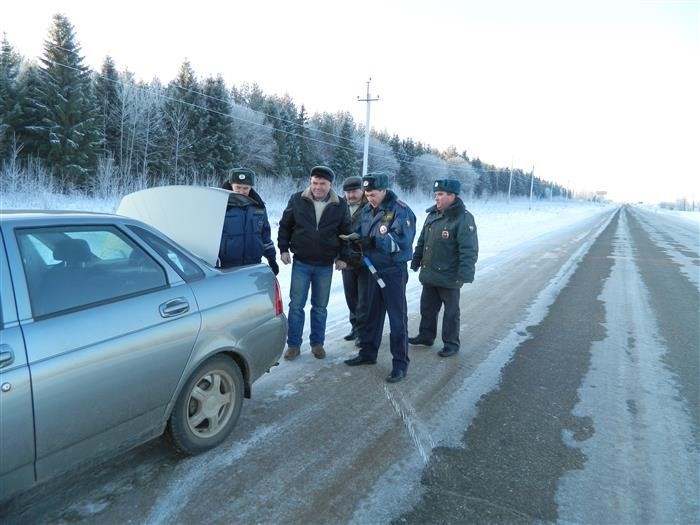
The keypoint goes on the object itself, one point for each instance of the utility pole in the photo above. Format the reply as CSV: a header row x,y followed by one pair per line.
x,y
369,100
532,183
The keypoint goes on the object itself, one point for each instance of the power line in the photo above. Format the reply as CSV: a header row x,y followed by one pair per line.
x,y
398,156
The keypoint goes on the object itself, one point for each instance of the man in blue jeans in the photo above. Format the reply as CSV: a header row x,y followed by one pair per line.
x,y
309,228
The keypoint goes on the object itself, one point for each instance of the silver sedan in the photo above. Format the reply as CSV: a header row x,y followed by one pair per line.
x,y
111,334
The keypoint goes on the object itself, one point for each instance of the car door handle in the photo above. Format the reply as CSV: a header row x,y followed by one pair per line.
x,y
6,358
174,307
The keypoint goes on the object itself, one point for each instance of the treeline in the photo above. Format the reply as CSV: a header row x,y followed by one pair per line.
x,y
89,129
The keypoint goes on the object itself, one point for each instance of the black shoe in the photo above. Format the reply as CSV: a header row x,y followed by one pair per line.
x,y
395,376
417,341
350,336
359,360
447,352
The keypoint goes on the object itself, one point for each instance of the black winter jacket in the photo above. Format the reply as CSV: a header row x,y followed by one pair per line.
x,y
312,244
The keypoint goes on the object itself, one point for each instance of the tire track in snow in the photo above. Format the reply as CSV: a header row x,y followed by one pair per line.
x,y
422,439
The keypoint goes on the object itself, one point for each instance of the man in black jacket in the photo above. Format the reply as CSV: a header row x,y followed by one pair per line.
x,y
446,254
309,228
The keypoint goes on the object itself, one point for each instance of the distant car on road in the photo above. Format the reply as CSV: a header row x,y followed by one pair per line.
x,y
111,334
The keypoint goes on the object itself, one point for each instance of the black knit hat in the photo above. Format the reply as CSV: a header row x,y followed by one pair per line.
x,y
352,183
448,185
242,176
323,171
375,181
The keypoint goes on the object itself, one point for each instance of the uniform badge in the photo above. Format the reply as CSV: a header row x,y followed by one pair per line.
x,y
445,234
383,229
471,228
389,216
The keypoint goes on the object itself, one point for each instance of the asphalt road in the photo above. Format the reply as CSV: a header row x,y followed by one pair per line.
x,y
574,399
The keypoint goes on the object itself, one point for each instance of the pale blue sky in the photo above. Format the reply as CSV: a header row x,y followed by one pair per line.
x,y
593,93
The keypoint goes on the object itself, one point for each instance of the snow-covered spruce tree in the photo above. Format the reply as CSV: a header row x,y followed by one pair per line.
x,y
66,107
183,115
220,150
280,114
405,151
279,153
300,161
345,155
27,134
107,89
10,62
249,95
322,135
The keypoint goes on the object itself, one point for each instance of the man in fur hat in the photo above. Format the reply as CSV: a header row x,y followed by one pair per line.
x,y
446,255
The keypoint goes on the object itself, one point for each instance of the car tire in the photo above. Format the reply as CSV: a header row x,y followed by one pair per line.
x,y
208,406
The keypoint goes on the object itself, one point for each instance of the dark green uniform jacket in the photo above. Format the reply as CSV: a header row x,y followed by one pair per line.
x,y
447,248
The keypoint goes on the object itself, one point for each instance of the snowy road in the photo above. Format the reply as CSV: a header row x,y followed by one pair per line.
x,y
596,416
575,399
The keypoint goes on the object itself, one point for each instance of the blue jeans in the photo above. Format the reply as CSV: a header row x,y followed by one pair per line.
x,y
319,279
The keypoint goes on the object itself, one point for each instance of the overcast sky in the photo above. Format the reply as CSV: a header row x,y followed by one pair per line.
x,y
593,93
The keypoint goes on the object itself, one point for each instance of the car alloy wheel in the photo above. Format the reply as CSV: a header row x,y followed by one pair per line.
x,y
210,403
208,407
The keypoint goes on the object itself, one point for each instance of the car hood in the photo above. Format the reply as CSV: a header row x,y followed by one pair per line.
x,y
192,216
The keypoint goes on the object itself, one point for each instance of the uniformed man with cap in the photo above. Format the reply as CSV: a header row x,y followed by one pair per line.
x,y
386,231
246,235
446,254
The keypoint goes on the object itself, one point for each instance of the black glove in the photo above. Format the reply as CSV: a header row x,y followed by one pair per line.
x,y
367,243
273,266
415,266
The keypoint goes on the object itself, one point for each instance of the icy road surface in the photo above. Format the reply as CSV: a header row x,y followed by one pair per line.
x,y
574,399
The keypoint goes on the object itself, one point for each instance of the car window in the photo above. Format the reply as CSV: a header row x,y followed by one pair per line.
x,y
68,268
181,263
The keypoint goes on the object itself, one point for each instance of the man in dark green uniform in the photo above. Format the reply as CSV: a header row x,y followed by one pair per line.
x,y
446,254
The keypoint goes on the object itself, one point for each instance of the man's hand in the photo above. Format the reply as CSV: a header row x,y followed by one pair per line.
x,y
367,243
340,265
286,259
273,265
415,266
350,236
